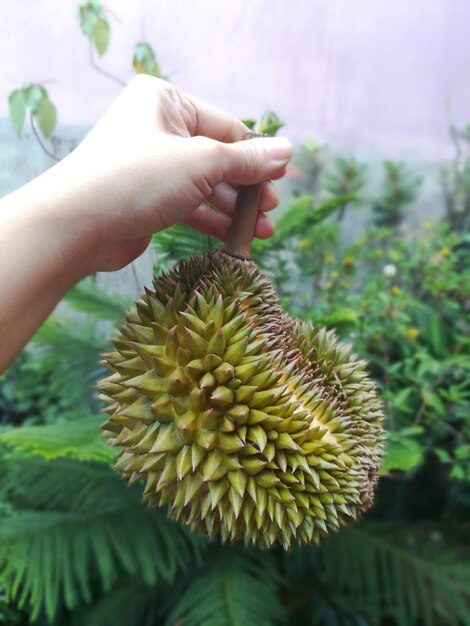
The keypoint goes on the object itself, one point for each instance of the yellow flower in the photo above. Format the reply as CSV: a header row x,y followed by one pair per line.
x,y
445,251
329,258
304,243
394,290
348,262
412,333
334,274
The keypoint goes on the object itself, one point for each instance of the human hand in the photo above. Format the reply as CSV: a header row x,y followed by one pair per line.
x,y
153,160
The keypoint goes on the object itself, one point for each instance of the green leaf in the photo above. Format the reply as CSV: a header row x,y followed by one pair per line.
x,y
88,16
250,123
457,472
86,296
17,110
411,431
302,215
50,557
144,60
78,440
34,94
402,454
395,576
101,35
46,116
340,318
269,124
77,527
432,399
233,588
443,455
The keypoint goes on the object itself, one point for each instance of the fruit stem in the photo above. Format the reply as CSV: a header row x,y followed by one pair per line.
x,y
242,229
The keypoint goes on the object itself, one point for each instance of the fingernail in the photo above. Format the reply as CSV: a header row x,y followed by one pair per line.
x,y
279,148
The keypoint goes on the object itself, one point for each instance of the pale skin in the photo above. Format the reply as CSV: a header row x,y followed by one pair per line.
x,y
154,159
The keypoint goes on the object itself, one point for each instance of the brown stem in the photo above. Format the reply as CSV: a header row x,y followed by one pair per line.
x,y
39,140
242,229
102,71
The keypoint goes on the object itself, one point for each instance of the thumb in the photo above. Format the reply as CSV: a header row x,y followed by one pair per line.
x,y
254,160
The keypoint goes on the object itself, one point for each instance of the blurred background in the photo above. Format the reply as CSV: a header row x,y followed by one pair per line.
x,y
372,240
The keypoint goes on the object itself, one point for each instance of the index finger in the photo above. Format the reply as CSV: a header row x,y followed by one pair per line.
x,y
216,124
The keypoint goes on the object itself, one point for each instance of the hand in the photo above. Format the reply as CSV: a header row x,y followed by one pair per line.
x,y
154,159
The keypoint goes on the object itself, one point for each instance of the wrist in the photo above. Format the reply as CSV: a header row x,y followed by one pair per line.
x,y
57,219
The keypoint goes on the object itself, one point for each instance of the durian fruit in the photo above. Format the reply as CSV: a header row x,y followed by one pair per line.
x,y
240,419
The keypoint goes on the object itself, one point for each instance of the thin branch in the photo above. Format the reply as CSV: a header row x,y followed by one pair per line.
x,y
39,140
136,278
111,13
99,69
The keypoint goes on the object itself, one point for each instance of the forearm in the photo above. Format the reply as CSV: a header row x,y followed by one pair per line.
x,y
42,254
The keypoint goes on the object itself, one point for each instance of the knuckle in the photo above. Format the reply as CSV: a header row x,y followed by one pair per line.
x,y
144,82
250,165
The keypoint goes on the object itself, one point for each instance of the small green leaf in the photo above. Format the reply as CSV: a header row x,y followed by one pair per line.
x,y
431,399
341,318
144,60
88,16
443,455
34,94
46,116
462,452
457,472
249,123
269,124
101,36
17,109
411,431
402,454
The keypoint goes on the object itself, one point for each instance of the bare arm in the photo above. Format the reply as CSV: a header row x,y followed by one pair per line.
x,y
152,161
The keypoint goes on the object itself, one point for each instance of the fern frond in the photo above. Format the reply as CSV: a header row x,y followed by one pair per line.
x,y
48,557
373,565
89,298
75,519
300,216
65,485
77,440
234,588
130,603
67,353
179,242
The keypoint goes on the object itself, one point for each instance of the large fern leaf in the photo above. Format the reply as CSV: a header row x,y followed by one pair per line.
x,y
77,440
179,242
374,566
129,603
67,353
86,296
73,521
234,588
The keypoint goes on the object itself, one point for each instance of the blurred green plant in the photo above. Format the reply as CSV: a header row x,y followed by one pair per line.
x,y
145,62
94,24
399,190
32,98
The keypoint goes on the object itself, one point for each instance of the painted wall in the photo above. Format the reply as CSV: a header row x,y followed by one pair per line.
x,y
368,75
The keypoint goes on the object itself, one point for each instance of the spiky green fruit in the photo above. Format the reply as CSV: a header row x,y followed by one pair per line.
x,y
240,419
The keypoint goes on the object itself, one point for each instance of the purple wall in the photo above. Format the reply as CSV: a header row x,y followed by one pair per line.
x,y
367,75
